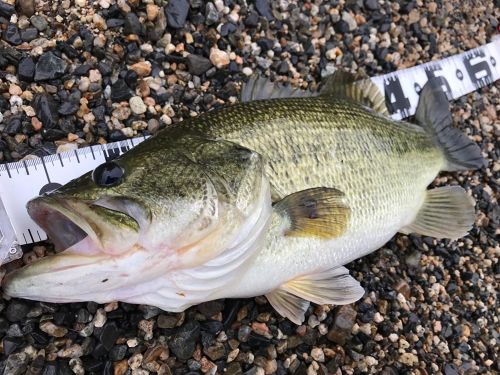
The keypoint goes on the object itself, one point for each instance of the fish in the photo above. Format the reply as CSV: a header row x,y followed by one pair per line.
x,y
271,196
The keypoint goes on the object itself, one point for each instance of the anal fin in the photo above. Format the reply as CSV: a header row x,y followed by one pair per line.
x,y
334,286
448,212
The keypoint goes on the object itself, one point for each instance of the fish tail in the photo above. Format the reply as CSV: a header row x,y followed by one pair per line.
x,y
434,115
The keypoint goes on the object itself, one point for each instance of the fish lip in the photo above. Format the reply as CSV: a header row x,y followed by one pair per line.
x,y
60,221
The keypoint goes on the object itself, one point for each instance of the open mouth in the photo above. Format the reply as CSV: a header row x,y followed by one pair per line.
x,y
53,217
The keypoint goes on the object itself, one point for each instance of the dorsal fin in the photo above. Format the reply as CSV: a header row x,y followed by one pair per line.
x,y
347,85
260,88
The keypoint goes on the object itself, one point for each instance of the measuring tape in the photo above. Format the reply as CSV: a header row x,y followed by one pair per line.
x,y
458,75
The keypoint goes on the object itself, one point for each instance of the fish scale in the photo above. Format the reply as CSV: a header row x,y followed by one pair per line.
x,y
334,143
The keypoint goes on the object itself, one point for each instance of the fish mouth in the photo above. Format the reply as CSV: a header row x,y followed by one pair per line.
x,y
76,229
58,220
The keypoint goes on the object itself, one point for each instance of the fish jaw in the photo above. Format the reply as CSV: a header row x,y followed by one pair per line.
x,y
101,258
72,277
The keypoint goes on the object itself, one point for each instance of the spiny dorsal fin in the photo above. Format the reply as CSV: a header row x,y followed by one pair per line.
x,y
260,88
448,212
334,286
434,115
288,305
317,212
344,84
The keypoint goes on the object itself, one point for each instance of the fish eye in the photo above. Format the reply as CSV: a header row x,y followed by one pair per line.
x,y
108,174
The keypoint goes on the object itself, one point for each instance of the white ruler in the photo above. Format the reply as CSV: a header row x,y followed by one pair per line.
x,y
20,181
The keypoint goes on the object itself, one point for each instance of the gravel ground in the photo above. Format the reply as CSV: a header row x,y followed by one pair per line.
x,y
82,72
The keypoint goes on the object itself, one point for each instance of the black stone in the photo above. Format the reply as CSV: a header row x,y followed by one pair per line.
x,y
11,34
132,24
227,29
381,53
102,129
252,19
198,65
49,66
265,44
211,14
283,68
14,126
29,34
176,12
117,135
93,365
68,108
50,368
11,344
264,10
105,68
39,22
385,27
120,91
46,110
114,22
16,311
40,338
6,10
118,352
131,78
212,326
341,27
99,112
450,369
109,334
82,70
184,341
371,4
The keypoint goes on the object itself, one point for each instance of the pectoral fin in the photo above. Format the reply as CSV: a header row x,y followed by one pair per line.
x,y
318,212
334,286
448,212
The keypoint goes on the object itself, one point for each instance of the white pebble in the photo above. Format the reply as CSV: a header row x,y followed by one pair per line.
x,y
247,71
100,318
66,147
377,318
137,105
219,58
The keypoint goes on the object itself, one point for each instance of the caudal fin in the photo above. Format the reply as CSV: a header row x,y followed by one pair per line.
x,y
433,114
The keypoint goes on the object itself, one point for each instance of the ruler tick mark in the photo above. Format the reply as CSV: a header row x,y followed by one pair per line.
x,y
31,235
8,170
60,159
77,158
45,168
26,167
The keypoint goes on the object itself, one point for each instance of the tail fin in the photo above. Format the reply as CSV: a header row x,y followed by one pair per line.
x,y
434,115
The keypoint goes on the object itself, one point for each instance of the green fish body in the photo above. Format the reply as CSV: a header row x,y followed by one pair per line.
x,y
343,177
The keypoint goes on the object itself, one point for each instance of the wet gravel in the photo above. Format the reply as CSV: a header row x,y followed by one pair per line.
x,y
83,72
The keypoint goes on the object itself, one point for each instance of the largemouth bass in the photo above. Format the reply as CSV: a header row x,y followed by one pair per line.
x,y
187,216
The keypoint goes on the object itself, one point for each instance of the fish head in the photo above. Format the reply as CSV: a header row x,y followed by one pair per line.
x,y
131,220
